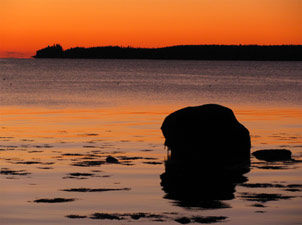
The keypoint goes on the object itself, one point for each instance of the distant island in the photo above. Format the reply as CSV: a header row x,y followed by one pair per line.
x,y
181,52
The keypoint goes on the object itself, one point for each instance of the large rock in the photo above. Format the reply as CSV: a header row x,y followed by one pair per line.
x,y
209,134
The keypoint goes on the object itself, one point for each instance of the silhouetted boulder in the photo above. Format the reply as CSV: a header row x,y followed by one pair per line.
x,y
207,134
273,154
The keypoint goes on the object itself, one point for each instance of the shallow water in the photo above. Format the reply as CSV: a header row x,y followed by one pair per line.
x,y
60,119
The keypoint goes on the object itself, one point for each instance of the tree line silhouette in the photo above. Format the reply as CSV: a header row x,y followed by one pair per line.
x,y
181,52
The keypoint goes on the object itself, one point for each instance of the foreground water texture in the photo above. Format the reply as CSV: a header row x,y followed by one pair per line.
x,y
62,119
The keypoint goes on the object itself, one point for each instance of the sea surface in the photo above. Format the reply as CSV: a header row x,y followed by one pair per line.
x,y
61,119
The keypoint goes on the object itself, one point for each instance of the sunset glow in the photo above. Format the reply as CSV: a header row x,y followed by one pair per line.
x,y
33,24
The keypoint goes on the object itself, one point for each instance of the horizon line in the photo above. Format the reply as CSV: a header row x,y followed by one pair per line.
x,y
137,47
177,45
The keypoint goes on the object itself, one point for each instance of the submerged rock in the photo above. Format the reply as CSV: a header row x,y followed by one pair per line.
x,y
72,216
183,220
111,159
54,200
106,216
273,154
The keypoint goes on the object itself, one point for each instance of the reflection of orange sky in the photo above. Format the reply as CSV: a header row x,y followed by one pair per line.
x,y
129,122
76,123
130,128
33,24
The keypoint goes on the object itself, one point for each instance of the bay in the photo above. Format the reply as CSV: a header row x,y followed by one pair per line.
x,y
58,114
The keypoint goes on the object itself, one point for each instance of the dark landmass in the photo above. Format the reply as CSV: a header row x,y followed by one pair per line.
x,y
181,52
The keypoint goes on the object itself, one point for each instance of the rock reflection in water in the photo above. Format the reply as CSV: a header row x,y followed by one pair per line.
x,y
199,186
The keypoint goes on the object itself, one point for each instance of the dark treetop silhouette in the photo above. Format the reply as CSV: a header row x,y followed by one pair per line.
x,y
210,152
184,52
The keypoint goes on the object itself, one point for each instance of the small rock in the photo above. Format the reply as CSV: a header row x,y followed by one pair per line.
x,y
183,220
273,154
111,159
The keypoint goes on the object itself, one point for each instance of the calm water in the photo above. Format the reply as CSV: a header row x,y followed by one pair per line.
x,y
60,119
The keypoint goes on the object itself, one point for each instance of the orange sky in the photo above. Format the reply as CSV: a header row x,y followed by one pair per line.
x,y
28,25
